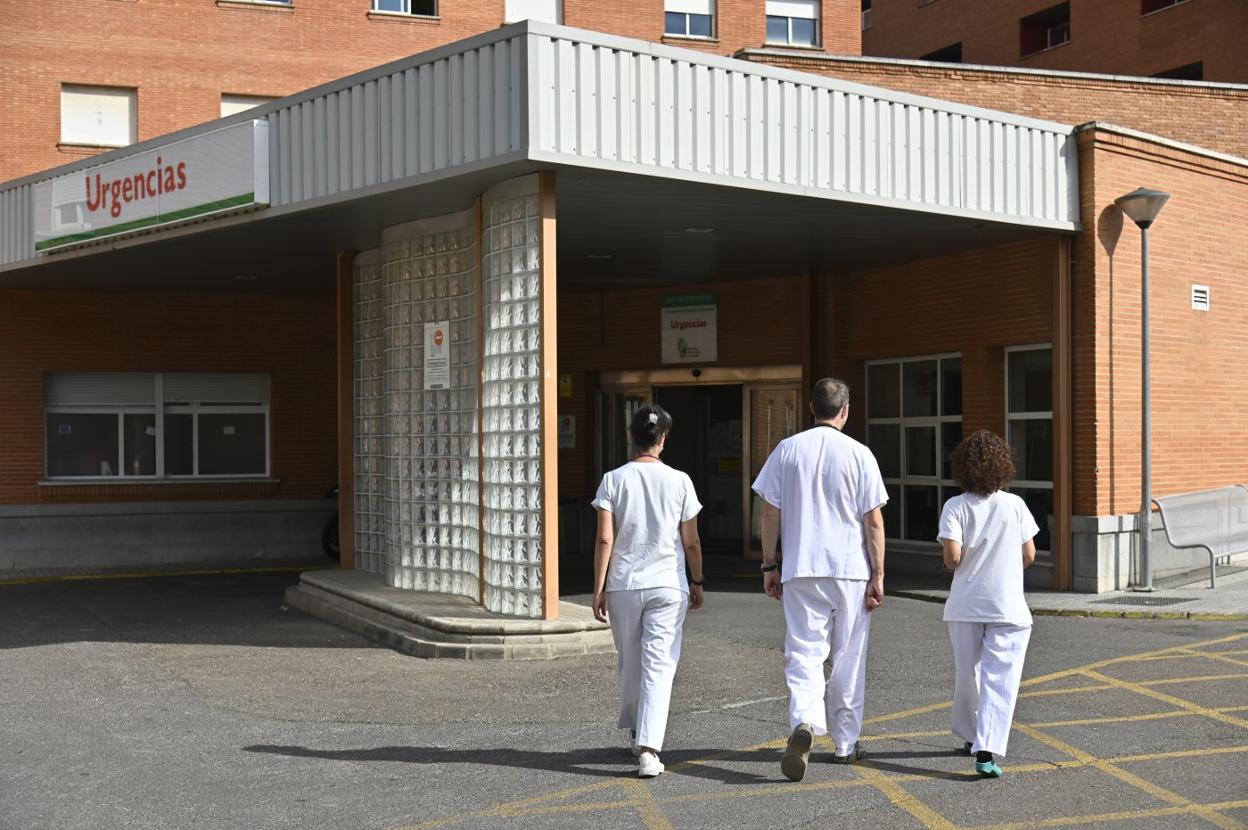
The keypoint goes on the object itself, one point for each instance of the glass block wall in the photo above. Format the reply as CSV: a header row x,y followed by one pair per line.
x,y
432,526
369,412
512,411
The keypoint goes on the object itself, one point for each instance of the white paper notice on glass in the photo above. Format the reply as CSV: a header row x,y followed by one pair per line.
x,y
437,355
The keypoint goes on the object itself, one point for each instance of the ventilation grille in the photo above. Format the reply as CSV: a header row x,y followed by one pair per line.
x,y
1143,599
1200,297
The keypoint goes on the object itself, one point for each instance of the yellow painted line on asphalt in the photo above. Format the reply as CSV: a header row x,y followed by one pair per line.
x,y
1215,656
36,580
1203,678
898,736
898,796
1096,818
1179,702
651,814
1066,690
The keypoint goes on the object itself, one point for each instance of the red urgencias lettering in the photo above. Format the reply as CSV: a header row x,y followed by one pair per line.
x,y
121,191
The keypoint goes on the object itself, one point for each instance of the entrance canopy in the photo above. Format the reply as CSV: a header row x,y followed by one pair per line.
x,y
650,138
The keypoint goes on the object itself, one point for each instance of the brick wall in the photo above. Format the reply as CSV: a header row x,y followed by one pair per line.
x,y
290,338
181,55
1199,359
1213,117
1107,36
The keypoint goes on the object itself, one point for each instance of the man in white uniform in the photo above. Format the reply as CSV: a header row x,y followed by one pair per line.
x,y
822,490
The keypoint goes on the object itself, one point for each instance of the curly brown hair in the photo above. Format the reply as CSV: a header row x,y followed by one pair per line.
x,y
983,463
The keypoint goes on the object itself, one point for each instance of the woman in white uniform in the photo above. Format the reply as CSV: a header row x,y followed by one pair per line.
x,y
647,533
987,536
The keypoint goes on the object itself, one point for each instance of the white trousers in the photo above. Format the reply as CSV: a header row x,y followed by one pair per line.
x,y
827,616
647,625
988,664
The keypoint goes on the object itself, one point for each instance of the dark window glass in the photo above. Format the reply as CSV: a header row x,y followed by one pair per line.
x,y
803,31
950,437
1045,29
428,8
1032,442
674,23
700,25
892,512
883,391
1040,503
1031,380
919,389
922,514
777,29
179,444
82,445
231,444
885,441
951,386
920,451
140,446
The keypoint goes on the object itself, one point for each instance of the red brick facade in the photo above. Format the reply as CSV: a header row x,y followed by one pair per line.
x,y
289,338
1110,36
182,55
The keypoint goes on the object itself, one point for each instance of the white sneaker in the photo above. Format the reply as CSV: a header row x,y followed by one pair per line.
x,y
632,743
649,765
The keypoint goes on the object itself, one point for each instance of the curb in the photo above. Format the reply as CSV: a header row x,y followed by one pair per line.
x,y
85,577
1198,616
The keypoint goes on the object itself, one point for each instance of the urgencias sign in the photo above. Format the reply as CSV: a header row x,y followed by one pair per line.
x,y
221,171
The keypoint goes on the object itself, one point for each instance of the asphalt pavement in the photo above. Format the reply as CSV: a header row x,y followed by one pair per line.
x,y
198,701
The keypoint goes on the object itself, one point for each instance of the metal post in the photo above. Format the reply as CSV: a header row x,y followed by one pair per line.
x,y
1146,507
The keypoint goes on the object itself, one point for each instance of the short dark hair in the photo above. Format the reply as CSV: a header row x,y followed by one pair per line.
x,y
829,398
983,463
649,425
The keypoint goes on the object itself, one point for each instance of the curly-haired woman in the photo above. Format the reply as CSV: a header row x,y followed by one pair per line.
x,y
987,536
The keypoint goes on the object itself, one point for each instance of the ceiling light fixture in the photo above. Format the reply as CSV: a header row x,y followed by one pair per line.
x,y
598,256
699,230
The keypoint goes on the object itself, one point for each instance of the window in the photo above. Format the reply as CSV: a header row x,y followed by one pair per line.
x,y
233,104
1189,72
98,116
793,22
423,8
689,18
139,425
1150,6
866,14
914,422
548,11
950,54
1029,430
1044,30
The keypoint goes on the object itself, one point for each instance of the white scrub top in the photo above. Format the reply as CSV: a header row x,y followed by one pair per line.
x,y
988,582
648,502
824,482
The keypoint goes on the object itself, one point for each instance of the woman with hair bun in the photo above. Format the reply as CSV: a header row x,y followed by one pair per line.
x,y
987,536
647,533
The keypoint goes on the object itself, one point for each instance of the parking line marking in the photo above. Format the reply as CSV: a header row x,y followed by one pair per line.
x,y
647,807
1215,656
900,797
1171,699
1067,821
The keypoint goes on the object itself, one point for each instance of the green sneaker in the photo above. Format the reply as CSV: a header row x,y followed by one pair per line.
x,y
988,769
797,753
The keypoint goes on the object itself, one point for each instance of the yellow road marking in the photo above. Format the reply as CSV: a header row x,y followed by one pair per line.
x,y
1179,702
1202,678
1067,821
647,807
1215,656
900,797
1173,713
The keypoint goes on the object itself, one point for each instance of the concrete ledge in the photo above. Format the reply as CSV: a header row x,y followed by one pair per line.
x,y
426,624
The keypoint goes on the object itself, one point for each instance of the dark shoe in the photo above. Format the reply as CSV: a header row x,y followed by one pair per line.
x,y
966,749
797,753
856,754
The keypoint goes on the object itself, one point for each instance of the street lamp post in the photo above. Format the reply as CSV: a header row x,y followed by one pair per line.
x,y
1142,206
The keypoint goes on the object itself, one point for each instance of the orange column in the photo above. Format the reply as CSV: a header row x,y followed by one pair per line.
x,y
550,403
1062,418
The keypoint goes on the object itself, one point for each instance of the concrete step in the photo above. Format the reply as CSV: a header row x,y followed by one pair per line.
x,y
425,624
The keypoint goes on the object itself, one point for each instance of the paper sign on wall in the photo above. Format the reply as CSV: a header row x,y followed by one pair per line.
x,y
567,432
690,328
437,355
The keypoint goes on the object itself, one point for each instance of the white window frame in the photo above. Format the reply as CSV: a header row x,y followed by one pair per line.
x,y
902,421
788,41
84,140
1010,417
407,9
158,409
683,8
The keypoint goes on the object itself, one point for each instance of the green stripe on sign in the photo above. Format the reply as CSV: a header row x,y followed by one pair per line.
x,y
151,221
688,300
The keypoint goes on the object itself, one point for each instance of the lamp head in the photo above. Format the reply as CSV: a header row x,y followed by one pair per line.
x,y
1142,205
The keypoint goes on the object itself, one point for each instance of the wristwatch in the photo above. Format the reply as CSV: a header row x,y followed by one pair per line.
x,y
697,582
769,568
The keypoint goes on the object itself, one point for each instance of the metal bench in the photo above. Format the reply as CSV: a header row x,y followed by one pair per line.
x,y
1216,520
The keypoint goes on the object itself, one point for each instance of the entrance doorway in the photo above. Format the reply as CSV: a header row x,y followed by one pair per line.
x,y
706,444
727,420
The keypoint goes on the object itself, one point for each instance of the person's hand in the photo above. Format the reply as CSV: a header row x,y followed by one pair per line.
x,y
771,584
695,597
600,606
875,593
